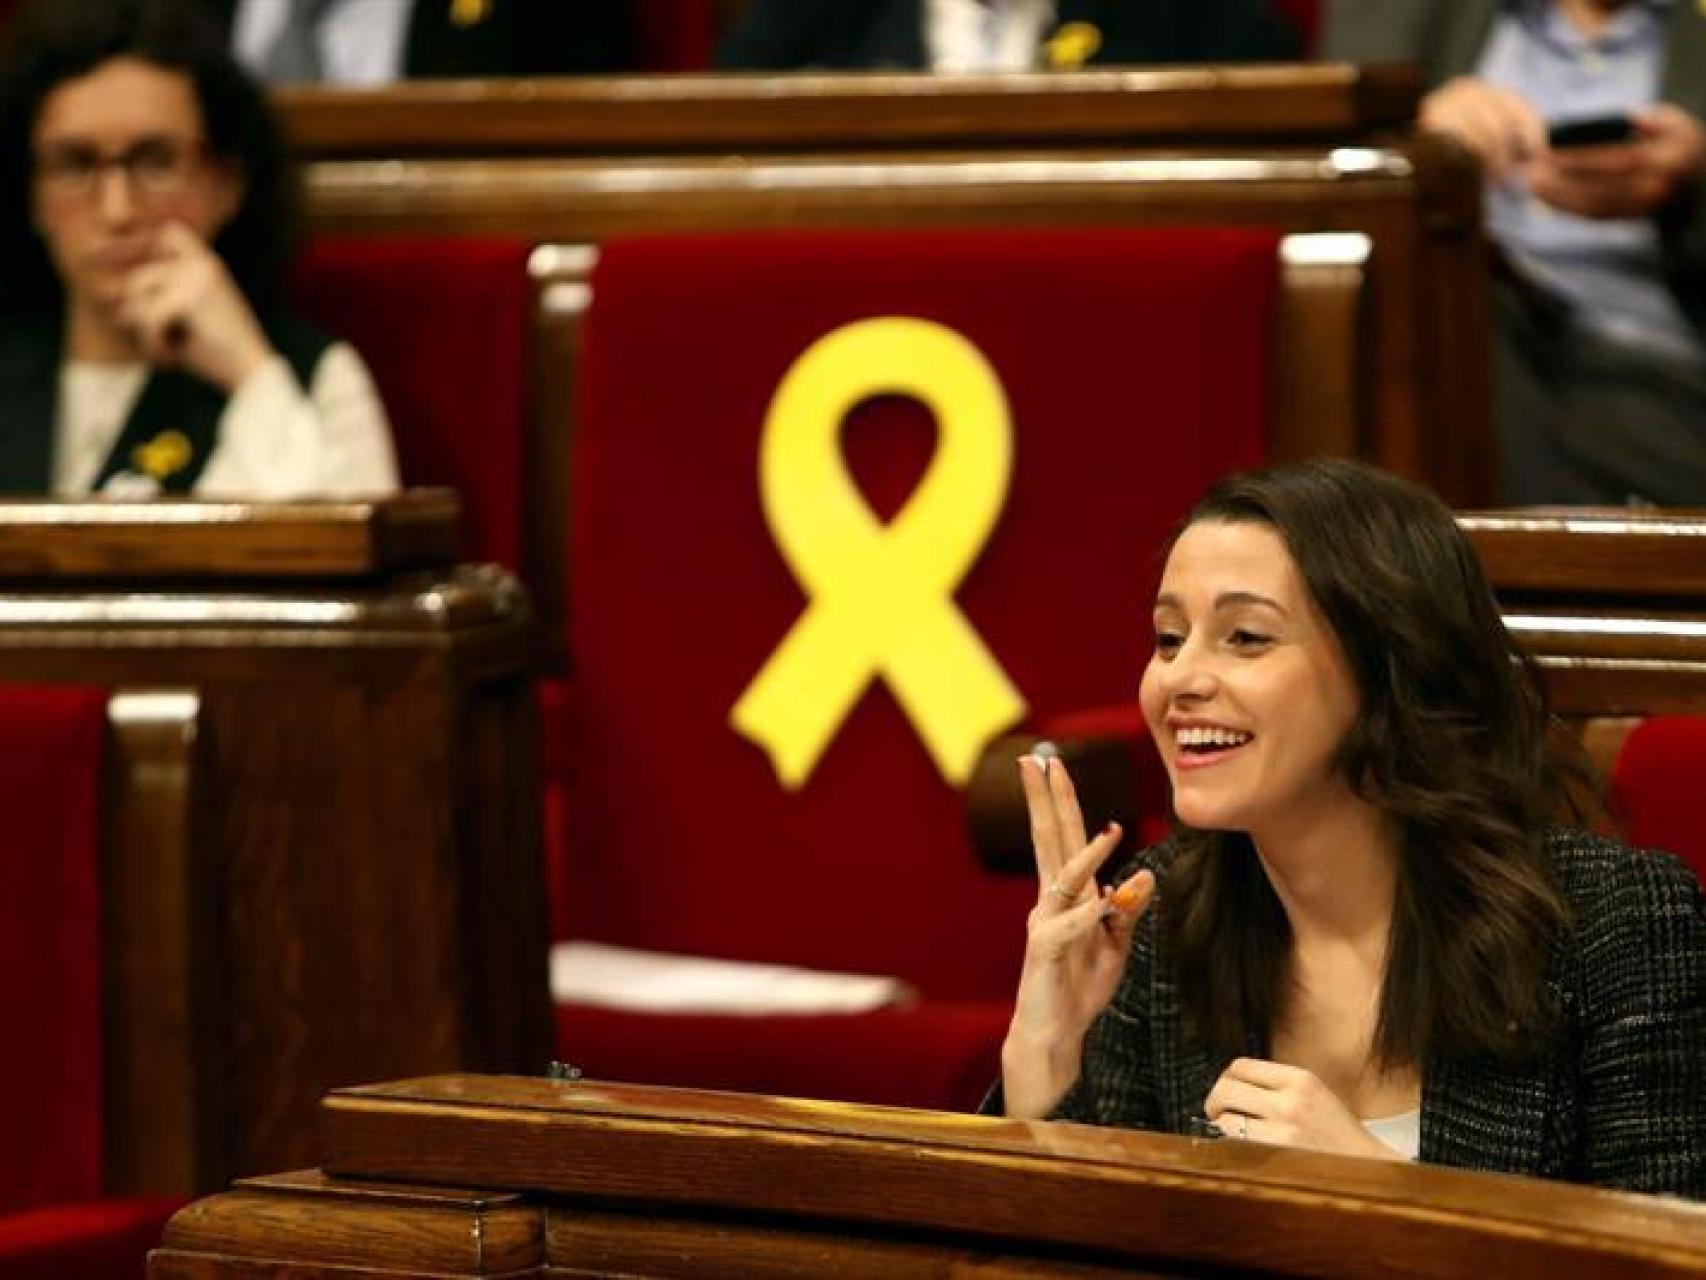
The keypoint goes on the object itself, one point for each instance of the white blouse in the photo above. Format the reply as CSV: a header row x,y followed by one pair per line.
x,y
970,35
1402,1132
277,439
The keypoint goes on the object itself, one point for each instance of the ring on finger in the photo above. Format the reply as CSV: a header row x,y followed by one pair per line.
x,y
1060,893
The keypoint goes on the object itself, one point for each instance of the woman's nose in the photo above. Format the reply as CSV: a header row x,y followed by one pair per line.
x,y
1190,674
115,197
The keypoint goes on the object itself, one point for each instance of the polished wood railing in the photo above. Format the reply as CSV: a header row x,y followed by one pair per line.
x,y
477,1176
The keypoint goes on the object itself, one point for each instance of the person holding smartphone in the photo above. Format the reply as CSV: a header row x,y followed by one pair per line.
x,y
145,212
1586,115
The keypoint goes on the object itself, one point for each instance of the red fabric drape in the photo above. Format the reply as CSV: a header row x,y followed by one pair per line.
x,y
1656,783
444,326
1306,16
95,1240
675,35
50,965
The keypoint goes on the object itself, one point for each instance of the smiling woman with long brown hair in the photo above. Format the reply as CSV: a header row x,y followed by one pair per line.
x,y
1365,935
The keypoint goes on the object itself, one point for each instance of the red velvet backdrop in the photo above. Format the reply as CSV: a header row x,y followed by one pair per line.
x,y
1136,367
1656,786
1306,14
675,35
50,927
444,325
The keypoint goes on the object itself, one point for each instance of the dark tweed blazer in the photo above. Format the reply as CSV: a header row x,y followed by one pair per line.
x,y
1617,1098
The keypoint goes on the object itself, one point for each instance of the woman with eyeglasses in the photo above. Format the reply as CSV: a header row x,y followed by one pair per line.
x,y
146,214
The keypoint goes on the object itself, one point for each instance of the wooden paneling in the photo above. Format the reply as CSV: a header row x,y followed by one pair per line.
x,y
751,113
114,540
656,1182
1612,604
163,1006
360,895
396,1231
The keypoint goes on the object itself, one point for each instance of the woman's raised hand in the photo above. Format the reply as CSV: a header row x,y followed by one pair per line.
x,y
1077,939
186,311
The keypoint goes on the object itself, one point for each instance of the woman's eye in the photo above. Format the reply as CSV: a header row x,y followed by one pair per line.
x,y
1167,643
1244,638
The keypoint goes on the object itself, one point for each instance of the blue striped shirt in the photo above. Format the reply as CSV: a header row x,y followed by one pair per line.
x,y
1610,269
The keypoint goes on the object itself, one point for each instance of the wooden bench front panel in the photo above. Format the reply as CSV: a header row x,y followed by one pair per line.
x,y
337,875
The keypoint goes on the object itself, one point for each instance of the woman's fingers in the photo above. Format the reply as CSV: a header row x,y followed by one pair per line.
x,y
156,308
1135,892
1238,1096
1075,883
1067,813
1045,826
1263,1073
1073,923
175,242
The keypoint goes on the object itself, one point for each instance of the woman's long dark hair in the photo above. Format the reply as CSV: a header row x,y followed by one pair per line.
x,y
1451,741
50,42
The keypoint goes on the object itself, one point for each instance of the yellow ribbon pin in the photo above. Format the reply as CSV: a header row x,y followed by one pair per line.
x,y
469,13
166,454
1075,44
881,596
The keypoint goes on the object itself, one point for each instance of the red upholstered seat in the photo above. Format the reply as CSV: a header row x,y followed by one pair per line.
x,y
50,921
1306,16
675,35
1135,365
53,1219
1655,785
444,325
93,1240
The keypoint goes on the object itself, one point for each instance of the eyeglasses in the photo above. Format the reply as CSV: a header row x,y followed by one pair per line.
x,y
156,168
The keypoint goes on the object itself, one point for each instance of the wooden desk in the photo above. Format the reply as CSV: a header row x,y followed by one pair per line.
x,y
464,1176
1304,148
352,890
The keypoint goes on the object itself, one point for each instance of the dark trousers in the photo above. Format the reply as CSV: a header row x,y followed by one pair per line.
x,y
1584,420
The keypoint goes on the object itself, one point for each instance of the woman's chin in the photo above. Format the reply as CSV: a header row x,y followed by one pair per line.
x,y
1206,816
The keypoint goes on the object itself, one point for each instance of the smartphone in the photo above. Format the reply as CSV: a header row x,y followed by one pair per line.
x,y
1591,131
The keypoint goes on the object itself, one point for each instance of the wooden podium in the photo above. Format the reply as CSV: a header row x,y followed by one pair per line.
x,y
463,1176
321,867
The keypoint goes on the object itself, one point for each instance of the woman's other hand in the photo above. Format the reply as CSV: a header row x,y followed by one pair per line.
x,y
187,312
1260,1101
1077,939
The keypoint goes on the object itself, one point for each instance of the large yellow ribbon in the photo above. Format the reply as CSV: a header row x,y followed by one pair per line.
x,y
881,596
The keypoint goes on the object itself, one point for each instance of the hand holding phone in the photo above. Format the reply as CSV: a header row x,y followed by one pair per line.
x,y
1665,153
